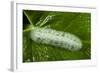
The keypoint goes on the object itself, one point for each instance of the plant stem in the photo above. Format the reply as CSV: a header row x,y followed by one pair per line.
x,y
26,30
28,18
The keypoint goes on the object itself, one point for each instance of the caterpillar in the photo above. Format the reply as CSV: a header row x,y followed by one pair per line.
x,y
56,38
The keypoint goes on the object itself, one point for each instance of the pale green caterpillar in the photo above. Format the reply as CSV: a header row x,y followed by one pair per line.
x,y
56,38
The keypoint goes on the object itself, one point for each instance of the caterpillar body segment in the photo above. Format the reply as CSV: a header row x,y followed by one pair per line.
x,y
56,38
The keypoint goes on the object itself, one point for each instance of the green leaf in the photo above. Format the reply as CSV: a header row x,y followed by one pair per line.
x,y
76,23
